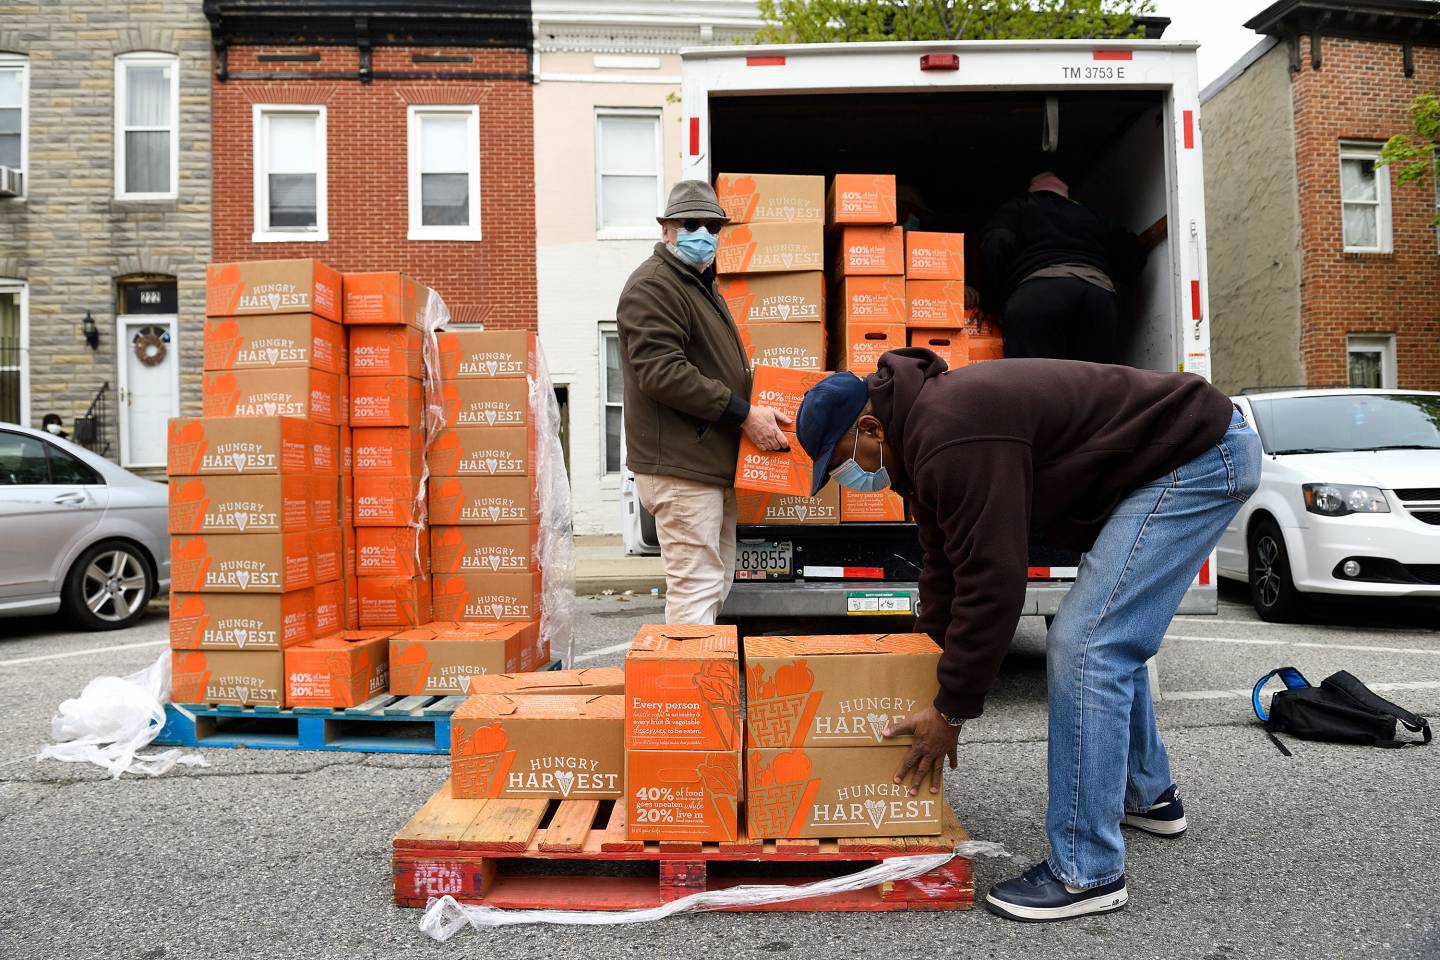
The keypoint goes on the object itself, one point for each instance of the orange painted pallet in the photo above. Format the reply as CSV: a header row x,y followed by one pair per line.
x,y
573,855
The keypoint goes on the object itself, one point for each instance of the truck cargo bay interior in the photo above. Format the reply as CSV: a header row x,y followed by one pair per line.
x,y
966,153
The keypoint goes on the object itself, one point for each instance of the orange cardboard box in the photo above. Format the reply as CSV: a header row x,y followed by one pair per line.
x,y
682,688
344,398
327,547
584,683
329,613
392,552
352,602
297,392
248,446
325,450
393,601
983,340
782,388
861,198
688,795
282,340
834,792
386,501
222,621
779,509
389,452
483,452
881,506
771,198
386,402
781,471
347,449
387,351
240,504
491,596
245,678
384,298
865,342
870,252
952,346
936,304
347,501
873,300
254,563
324,501
774,297
486,549
446,658
487,403
770,248
343,669
486,354
799,346
835,691
483,501
349,556
272,286
532,748
934,256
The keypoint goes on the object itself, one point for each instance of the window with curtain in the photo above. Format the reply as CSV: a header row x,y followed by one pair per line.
x,y
13,121
1364,199
290,182
445,173
627,161
612,397
147,97
1370,360
11,357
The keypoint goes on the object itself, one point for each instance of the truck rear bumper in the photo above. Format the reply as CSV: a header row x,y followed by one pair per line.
x,y
834,599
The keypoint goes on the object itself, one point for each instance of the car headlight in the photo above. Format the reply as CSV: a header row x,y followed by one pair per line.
x,y
1339,499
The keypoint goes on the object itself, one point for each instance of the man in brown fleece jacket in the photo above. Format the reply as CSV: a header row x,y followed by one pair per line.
x,y
1139,470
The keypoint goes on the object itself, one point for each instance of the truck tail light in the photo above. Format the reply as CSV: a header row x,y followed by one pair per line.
x,y
940,61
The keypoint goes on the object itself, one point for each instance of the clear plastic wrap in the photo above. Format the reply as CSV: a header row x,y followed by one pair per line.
x,y
436,318
113,719
556,547
444,917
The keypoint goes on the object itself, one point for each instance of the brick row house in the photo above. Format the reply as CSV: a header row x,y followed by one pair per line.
x,y
1323,269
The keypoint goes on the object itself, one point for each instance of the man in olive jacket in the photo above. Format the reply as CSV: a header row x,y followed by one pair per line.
x,y
687,384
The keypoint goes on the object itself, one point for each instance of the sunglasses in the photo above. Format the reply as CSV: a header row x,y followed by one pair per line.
x,y
713,226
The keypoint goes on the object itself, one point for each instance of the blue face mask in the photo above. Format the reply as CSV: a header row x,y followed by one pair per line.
x,y
697,247
852,476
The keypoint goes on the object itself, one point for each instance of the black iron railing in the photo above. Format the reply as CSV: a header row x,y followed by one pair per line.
x,y
93,430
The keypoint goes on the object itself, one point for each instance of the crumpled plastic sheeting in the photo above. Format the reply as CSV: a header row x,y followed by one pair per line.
x,y
444,917
436,317
113,719
556,548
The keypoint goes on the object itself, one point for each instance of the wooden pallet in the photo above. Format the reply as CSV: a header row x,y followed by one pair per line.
x,y
573,855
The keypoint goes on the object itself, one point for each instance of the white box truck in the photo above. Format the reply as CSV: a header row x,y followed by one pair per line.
x,y
964,125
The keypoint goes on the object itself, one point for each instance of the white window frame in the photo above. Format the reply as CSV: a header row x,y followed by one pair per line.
x,y
1353,150
647,232
1381,343
10,61
123,61
606,331
261,232
23,289
418,230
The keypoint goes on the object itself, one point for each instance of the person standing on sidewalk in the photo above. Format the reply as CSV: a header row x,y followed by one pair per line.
x,y
1139,470
687,384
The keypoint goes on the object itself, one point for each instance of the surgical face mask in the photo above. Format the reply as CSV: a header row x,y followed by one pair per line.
x,y
53,428
696,247
852,476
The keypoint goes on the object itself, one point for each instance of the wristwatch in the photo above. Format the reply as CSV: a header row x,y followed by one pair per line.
x,y
957,722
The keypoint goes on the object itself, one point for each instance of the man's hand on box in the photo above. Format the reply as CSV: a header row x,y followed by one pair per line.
x,y
934,741
765,428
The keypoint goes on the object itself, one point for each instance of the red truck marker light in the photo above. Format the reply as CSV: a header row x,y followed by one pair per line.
x,y
764,61
1114,54
940,61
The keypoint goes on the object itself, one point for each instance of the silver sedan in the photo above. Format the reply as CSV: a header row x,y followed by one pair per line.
x,y
77,533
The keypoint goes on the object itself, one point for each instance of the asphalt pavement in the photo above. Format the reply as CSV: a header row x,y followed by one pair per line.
x,y
281,854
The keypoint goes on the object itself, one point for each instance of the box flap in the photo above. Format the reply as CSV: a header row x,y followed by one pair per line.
x,y
898,644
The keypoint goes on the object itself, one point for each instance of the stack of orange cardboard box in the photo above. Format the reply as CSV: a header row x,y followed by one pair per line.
x,y
683,734
256,555
771,262
773,488
935,288
384,317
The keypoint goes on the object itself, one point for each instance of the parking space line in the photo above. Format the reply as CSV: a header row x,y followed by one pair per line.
x,y
593,654
17,661
1367,648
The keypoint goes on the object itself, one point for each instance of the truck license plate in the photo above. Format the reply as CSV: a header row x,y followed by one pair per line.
x,y
763,560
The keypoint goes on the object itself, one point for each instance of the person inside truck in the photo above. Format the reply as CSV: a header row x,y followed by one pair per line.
x,y
687,384
1050,268
1140,471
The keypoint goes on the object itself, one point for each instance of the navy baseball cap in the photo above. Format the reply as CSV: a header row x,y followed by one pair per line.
x,y
828,411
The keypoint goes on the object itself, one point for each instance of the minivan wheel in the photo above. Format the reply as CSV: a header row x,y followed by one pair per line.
x,y
108,587
1272,590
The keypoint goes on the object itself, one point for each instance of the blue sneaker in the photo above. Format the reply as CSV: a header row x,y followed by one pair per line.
x,y
1164,818
1038,896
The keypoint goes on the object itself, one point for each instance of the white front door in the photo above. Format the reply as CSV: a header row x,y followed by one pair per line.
x,y
149,392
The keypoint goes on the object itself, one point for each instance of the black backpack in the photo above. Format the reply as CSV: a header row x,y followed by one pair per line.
x,y
1340,710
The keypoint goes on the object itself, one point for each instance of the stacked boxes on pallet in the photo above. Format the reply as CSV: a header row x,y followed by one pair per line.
x,y
774,488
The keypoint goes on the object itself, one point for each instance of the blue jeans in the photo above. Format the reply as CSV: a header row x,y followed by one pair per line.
x,y
1105,751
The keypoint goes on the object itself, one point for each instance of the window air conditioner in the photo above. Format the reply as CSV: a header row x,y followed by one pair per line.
x,y
12,182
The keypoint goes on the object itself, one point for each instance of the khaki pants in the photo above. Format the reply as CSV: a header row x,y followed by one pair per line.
x,y
695,523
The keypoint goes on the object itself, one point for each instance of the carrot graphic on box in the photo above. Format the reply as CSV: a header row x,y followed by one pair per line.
x,y
189,673
409,669
779,710
478,765
776,794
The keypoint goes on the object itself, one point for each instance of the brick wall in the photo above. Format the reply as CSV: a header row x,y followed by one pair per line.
x,y
1362,93
490,280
